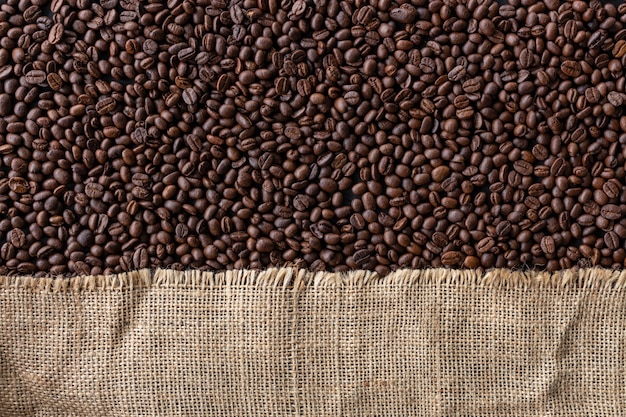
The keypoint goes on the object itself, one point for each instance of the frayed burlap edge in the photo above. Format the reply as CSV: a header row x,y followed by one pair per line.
x,y
299,279
291,342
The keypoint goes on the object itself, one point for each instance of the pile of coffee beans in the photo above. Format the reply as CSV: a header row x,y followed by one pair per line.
x,y
330,134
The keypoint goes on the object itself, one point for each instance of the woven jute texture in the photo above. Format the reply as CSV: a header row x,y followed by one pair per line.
x,y
287,342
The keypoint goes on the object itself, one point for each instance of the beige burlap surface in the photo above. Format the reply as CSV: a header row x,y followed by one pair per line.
x,y
287,342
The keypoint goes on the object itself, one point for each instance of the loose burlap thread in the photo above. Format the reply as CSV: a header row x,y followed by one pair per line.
x,y
289,342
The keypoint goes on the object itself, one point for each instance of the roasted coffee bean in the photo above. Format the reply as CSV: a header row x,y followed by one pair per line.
x,y
615,98
361,257
18,185
612,188
56,34
35,77
440,173
406,13
548,245
611,240
457,73
452,258
106,105
571,68
334,135
523,167
17,238
54,81
485,245
140,258
190,96
611,212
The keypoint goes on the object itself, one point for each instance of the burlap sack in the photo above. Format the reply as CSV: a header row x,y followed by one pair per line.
x,y
286,342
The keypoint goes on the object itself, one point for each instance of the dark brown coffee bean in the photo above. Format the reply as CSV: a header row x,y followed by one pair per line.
x,y
472,85
140,258
611,212
5,71
361,257
54,81
56,33
281,85
571,68
293,132
485,245
440,173
264,245
548,245
611,240
18,185
615,98
619,50
457,73
106,105
17,238
523,167
406,13
612,188
190,96
452,258
593,95
35,77
223,82
526,58
94,190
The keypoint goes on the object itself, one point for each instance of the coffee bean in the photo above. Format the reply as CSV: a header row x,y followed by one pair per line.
x,y
5,71
619,50
457,73
140,258
56,33
440,173
452,258
54,81
526,58
190,96
615,98
361,257
18,185
94,190
406,13
264,245
523,167
17,238
571,68
611,212
612,188
485,245
106,105
548,245
472,85
611,240
293,132
592,95
35,77
281,85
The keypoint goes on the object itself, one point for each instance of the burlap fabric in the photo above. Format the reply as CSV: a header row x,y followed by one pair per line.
x,y
286,342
